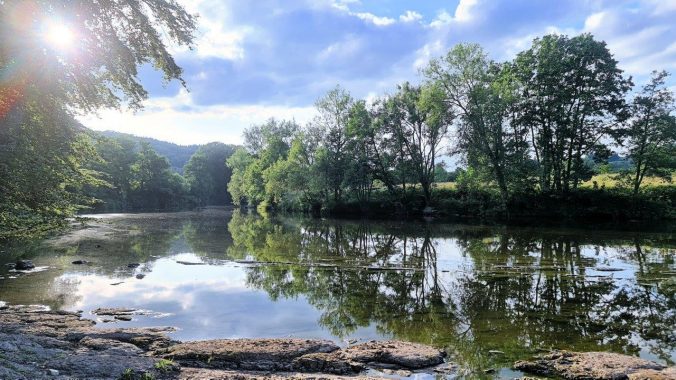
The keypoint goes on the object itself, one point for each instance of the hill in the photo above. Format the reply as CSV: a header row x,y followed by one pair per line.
x,y
178,155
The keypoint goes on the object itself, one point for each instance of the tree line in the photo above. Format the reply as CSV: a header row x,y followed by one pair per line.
x,y
134,177
538,124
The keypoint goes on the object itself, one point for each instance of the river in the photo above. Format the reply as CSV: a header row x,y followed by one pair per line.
x,y
489,295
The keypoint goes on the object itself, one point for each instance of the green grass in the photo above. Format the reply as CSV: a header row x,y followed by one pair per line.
x,y
164,365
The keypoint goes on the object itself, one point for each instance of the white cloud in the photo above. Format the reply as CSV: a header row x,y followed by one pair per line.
x,y
463,12
410,16
443,18
376,20
178,120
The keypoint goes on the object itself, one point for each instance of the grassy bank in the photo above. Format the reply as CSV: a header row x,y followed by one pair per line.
x,y
581,205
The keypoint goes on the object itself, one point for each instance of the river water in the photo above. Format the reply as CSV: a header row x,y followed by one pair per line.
x,y
488,295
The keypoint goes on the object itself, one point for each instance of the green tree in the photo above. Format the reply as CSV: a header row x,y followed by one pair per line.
x,y
572,97
42,154
419,119
334,113
238,162
651,134
483,93
208,175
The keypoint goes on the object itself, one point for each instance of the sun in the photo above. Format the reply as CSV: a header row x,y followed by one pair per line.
x,y
58,36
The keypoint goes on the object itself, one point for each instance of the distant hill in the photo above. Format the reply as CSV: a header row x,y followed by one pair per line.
x,y
178,155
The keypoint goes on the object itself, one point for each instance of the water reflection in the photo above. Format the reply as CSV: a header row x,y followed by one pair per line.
x,y
490,295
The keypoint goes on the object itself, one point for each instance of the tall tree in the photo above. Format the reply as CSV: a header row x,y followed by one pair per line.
x,y
419,119
572,96
651,134
482,92
208,175
334,112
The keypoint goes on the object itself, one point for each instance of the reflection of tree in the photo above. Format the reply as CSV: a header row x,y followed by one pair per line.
x,y
517,289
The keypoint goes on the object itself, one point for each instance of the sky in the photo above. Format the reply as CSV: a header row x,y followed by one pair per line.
x,y
273,58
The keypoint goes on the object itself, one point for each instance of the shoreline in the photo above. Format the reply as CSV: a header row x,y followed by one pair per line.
x,y
38,343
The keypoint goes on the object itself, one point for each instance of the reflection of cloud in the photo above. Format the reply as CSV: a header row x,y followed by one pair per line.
x,y
203,301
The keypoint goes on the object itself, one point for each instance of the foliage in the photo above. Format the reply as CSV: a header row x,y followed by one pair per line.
x,y
651,134
178,155
42,149
208,175
533,129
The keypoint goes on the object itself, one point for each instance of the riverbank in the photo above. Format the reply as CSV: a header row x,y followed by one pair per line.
x,y
589,206
37,343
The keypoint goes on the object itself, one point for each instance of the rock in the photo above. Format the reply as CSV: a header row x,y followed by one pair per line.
x,y
10,265
651,374
80,262
246,354
496,352
189,263
403,354
35,342
133,265
113,311
140,276
125,318
24,265
587,365
117,283
34,339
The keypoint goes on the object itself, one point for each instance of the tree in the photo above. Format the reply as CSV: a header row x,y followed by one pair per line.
x,y
571,97
334,112
44,84
482,92
651,134
208,175
238,162
419,120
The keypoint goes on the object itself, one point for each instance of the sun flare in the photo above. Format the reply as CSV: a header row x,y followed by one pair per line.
x,y
59,36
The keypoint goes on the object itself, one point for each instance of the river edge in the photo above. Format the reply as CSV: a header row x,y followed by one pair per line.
x,y
38,343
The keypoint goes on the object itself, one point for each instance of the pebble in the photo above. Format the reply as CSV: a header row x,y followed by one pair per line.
x,y
53,372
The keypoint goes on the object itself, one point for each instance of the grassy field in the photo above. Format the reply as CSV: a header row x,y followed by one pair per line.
x,y
611,180
602,180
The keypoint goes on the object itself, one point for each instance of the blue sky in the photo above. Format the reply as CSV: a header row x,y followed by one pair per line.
x,y
258,59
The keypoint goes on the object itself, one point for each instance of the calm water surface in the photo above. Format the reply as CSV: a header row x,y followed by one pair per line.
x,y
471,290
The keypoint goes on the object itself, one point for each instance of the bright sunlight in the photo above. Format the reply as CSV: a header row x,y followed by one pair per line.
x,y
58,35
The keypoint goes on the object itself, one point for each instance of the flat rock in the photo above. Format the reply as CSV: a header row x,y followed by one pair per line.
x,y
212,374
591,365
402,354
247,354
112,311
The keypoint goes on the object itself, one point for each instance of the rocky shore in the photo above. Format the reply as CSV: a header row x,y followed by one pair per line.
x,y
36,343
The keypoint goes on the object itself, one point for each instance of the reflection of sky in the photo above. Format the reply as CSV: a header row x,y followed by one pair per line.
x,y
204,301
215,300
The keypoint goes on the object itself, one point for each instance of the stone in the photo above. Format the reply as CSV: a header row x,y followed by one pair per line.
x,y
113,311
133,265
246,354
403,354
80,262
587,365
24,265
